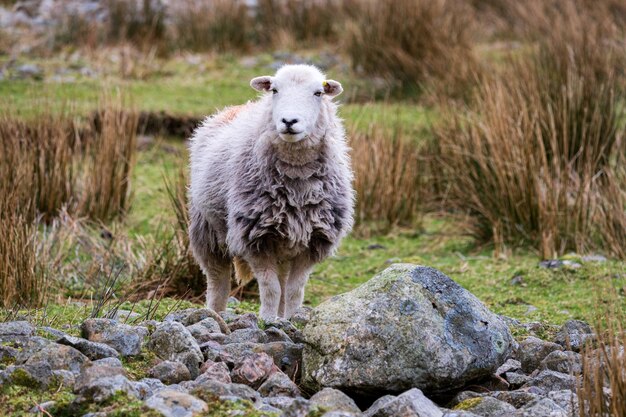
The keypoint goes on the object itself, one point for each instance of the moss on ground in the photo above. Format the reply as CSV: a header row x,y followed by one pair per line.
x,y
468,404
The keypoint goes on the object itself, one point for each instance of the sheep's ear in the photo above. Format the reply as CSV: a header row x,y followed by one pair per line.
x,y
332,88
263,83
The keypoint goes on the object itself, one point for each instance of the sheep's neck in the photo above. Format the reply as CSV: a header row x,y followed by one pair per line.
x,y
298,154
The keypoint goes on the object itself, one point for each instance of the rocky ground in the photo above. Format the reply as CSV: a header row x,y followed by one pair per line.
x,y
409,342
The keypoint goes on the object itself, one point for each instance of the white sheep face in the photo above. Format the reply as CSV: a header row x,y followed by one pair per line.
x,y
298,91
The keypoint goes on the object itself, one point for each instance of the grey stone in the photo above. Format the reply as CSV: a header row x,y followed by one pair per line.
x,y
219,389
573,335
28,71
60,357
510,365
35,375
244,321
302,316
277,335
287,356
54,333
298,408
532,351
15,329
567,400
334,399
172,341
552,381
172,403
410,326
279,384
192,316
286,326
517,398
279,402
254,370
246,336
266,408
542,407
459,413
214,371
594,258
203,329
28,347
378,404
462,396
336,413
93,350
566,362
516,379
411,403
126,339
147,387
114,362
122,315
170,372
99,383
487,406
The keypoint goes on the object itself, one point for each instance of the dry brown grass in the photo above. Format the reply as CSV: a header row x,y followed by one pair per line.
x,y
108,163
534,159
221,25
413,42
602,388
389,178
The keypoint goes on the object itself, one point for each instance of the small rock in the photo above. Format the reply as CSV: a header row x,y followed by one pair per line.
x,y
551,264
194,315
15,329
509,366
172,341
246,336
279,384
516,379
277,335
566,362
54,333
286,326
532,351
114,362
459,413
60,357
172,403
486,406
375,246
287,356
126,315
232,302
254,370
170,372
26,71
552,381
299,408
542,407
517,398
567,400
594,258
126,339
378,404
209,325
219,389
35,375
573,335
93,350
244,321
411,403
517,280
280,402
462,396
334,399
99,383
214,371
40,408
302,316
147,387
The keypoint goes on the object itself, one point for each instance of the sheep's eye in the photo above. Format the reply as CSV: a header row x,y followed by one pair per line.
x,y
317,93
275,91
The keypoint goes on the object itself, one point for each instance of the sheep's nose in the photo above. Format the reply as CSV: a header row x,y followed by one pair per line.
x,y
290,123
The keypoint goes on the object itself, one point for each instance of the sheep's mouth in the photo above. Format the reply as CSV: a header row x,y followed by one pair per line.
x,y
290,135
290,131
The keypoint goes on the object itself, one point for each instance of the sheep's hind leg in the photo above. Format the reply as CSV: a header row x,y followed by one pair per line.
x,y
266,274
283,276
301,267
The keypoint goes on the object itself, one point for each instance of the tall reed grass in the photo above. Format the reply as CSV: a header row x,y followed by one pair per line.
x,y
534,158
389,178
602,386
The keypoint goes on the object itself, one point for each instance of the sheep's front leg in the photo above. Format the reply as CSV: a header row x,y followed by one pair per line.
x,y
301,267
283,276
217,272
266,274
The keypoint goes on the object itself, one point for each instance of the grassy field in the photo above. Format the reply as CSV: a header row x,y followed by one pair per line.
x,y
199,84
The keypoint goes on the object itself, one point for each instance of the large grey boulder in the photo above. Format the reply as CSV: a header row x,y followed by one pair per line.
x,y
408,327
172,341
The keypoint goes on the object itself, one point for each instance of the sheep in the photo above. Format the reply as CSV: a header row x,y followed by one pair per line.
x,y
271,188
